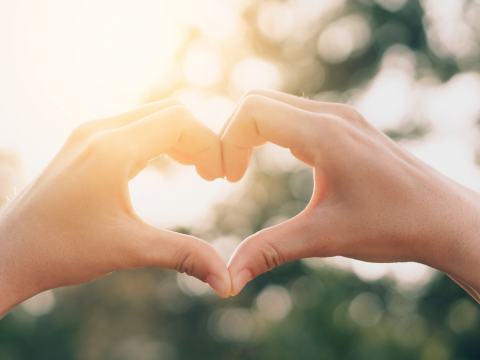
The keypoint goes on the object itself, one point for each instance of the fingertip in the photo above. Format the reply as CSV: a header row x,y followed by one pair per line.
x,y
217,285
184,253
232,292
233,179
221,284
208,165
240,280
218,275
240,270
235,161
206,177
234,174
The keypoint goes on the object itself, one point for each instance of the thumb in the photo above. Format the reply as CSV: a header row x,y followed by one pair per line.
x,y
270,248
184,253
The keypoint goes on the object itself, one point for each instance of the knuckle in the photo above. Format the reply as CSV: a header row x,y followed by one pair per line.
x,y
180,114
173,102
331,127
187,259
97,144
251,102
83,131
255,91
351,114
317,122
252,99
337,129
101,146
179,110
271,257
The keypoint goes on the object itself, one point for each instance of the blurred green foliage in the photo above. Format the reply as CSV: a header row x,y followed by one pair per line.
x,y
144,315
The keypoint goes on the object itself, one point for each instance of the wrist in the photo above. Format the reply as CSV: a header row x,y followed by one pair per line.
x,y
455,249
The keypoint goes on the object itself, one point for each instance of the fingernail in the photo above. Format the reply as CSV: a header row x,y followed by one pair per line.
x,y
241,280
216,284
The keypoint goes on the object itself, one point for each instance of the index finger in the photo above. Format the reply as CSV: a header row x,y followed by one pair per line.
x,y
261,117
296,101
174,128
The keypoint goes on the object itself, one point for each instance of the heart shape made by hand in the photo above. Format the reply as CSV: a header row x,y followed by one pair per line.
x,y
368,201
76,223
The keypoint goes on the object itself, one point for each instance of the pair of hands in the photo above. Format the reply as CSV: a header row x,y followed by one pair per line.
x,y
372,200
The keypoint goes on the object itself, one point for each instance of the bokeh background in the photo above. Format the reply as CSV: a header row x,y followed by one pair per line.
x,y
412,67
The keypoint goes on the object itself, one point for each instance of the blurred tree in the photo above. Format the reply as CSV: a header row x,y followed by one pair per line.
x,y
325,50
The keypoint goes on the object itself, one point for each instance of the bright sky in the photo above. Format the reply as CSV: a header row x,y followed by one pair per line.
x,y
64,62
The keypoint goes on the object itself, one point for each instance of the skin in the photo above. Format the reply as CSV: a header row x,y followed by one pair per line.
x,y
75,222
372,200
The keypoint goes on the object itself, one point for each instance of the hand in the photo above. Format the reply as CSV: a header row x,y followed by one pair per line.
x,y
372,200
75,222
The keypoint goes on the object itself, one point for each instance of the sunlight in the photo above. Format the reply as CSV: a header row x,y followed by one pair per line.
x,y
69,61
202,65
410,67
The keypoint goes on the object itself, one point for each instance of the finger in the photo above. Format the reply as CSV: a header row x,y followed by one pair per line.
x,y
89,128
299,102
184,159
186,254
270,248
138,113
277,122
174,128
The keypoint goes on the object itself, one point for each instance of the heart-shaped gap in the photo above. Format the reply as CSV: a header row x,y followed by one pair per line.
x,y
276,188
